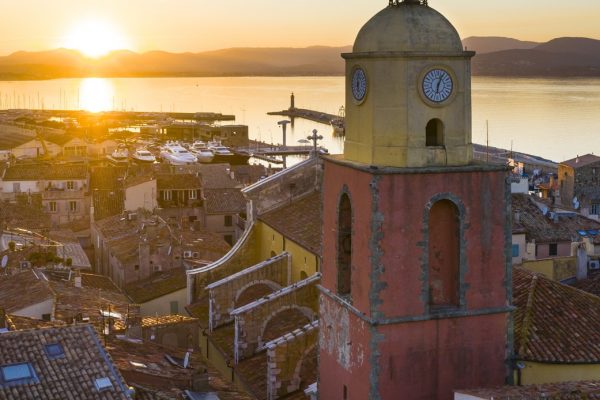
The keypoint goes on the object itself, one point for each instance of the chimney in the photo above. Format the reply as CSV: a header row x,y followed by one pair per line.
x,y
134,321
77,280
582,262
517,217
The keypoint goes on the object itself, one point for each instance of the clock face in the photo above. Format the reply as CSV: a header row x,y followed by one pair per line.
x,y
437,85
359,84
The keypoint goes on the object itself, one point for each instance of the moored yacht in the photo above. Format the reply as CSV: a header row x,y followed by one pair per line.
x,y
202,152
143,155
175,154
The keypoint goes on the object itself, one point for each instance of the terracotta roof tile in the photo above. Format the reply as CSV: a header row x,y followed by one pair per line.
x,y
9,141
224,201
299,221
71,376
36,172
178,182
542,228
563,391
22,290
18,323
157,286
554,323
581,161
216,176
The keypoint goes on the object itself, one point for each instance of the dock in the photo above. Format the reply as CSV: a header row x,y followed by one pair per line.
x,y
268,152
311,115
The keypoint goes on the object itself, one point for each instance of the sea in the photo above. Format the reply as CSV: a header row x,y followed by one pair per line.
x,y
557,119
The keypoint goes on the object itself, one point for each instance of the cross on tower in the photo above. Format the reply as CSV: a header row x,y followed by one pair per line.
x,y
315,137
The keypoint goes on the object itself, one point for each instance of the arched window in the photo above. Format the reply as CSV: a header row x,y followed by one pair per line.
x,y
344,247
435,133
444,254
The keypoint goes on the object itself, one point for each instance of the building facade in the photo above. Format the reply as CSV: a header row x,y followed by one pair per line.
x,y
416,288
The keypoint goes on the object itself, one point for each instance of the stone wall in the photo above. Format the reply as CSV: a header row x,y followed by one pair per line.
x,y
286,355
252,319
281,188
274,272
241,256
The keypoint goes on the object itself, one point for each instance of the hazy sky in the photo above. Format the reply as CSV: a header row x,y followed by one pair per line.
x,y
196,25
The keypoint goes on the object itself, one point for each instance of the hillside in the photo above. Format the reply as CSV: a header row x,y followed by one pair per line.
x,y
490,44
562,57
62,63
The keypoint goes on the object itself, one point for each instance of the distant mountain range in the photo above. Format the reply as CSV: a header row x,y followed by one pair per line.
x,y
497,56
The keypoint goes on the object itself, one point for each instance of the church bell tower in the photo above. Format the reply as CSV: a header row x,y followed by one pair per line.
x,y
416,286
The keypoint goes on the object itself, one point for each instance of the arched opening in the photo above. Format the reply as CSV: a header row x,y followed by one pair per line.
x,y
344,247
435,133
444,254
283,322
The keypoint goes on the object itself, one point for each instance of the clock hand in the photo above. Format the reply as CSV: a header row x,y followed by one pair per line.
x,y
438,86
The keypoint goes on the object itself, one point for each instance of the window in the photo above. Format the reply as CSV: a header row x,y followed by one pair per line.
x,y
344,247
229,239
167,195
21,373
52,206
174,307
444,254
193,195
434,133
345,393
303,275
17,187
136,267
54,350
70,185
228,220
553,249
595,209
103,384
72,206
515,250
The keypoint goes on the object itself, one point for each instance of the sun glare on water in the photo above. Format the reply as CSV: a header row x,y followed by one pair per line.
x,y
96,94
95,38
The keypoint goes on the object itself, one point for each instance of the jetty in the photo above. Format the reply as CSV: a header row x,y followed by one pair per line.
x,y
311,115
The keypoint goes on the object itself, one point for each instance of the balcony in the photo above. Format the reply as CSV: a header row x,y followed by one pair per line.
x,y
58,194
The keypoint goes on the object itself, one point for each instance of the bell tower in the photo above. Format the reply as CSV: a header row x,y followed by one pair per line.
x,y
416,286
410,98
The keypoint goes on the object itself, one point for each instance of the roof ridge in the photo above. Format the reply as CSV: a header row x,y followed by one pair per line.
x,y
527,315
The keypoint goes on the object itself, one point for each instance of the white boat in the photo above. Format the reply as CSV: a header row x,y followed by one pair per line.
x,y
143,155
120,154
202,153
175,154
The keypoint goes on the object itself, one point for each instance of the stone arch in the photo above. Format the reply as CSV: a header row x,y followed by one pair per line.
x,y
444,254
270,284
434,133
298,371
305,311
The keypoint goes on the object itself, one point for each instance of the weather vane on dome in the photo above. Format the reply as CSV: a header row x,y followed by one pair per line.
x,y
398,2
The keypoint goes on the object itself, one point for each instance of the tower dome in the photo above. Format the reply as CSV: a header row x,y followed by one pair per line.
x,y
406,27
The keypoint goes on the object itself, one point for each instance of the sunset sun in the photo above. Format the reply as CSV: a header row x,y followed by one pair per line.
x,y
95,38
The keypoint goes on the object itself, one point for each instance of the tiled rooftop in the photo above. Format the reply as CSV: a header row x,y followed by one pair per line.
x,y
38,172
22,290
224,201
581,161
9,141
17,323
299,221
216,176
177,182
23,216
542,228
558,391
68,376
590,285
554,323
157,286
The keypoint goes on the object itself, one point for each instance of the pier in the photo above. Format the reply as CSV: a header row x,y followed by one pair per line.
x,y
311,115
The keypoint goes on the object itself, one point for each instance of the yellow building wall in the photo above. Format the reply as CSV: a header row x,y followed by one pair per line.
x,y
162,305
538,373
271,242
557,269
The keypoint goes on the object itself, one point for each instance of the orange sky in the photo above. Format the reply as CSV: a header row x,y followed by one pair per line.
x,y
197,25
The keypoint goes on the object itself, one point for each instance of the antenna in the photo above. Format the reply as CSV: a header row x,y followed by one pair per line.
x,y
4,261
